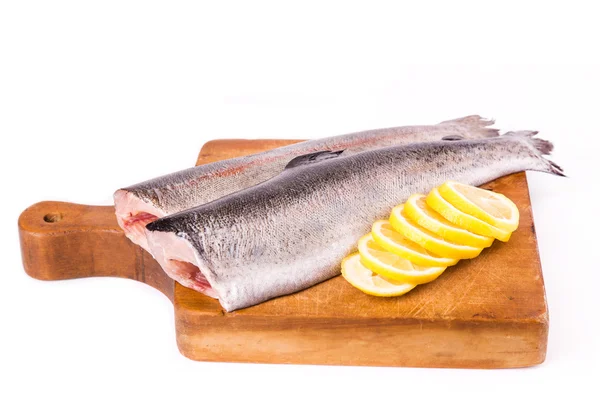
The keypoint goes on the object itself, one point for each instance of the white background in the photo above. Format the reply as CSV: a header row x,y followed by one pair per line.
x,y
98,95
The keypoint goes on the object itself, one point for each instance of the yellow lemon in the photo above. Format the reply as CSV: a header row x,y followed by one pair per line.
x,y
392,266
429,240
394,242
442,206
491,207
369,282
418,211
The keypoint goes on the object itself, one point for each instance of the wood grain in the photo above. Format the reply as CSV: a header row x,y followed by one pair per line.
x,y
489,312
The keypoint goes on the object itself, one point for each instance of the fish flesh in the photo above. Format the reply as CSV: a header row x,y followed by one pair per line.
x,y
140,204
293,231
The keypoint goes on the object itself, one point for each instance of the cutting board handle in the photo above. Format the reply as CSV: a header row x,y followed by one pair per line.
x,y
65,241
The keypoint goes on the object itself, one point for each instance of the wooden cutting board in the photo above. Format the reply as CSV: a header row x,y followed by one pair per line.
x,y
489,312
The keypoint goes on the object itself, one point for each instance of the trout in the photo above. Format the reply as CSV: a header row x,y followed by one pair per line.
x,y
292,231
140,204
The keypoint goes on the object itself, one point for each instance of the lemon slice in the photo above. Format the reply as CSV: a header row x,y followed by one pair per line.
x,y
394,267
364,279
441,205
418,211
392,241
493,208
431,241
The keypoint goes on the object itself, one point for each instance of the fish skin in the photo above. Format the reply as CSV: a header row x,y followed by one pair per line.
x,y
192,187
292,232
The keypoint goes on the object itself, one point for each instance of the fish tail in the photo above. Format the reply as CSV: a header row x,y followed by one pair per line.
x,y
476,126
541,148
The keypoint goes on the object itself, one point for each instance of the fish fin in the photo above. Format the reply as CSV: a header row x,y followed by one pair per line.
x,y
470,120
312,158
541,148
477,126
453,137
161,225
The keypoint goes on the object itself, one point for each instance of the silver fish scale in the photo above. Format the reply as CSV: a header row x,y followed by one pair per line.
x,y
292,231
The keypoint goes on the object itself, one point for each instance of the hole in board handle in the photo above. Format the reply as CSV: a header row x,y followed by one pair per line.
x,y
53,217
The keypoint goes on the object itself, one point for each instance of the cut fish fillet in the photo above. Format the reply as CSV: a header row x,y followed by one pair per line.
x,y
133,214
180,261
